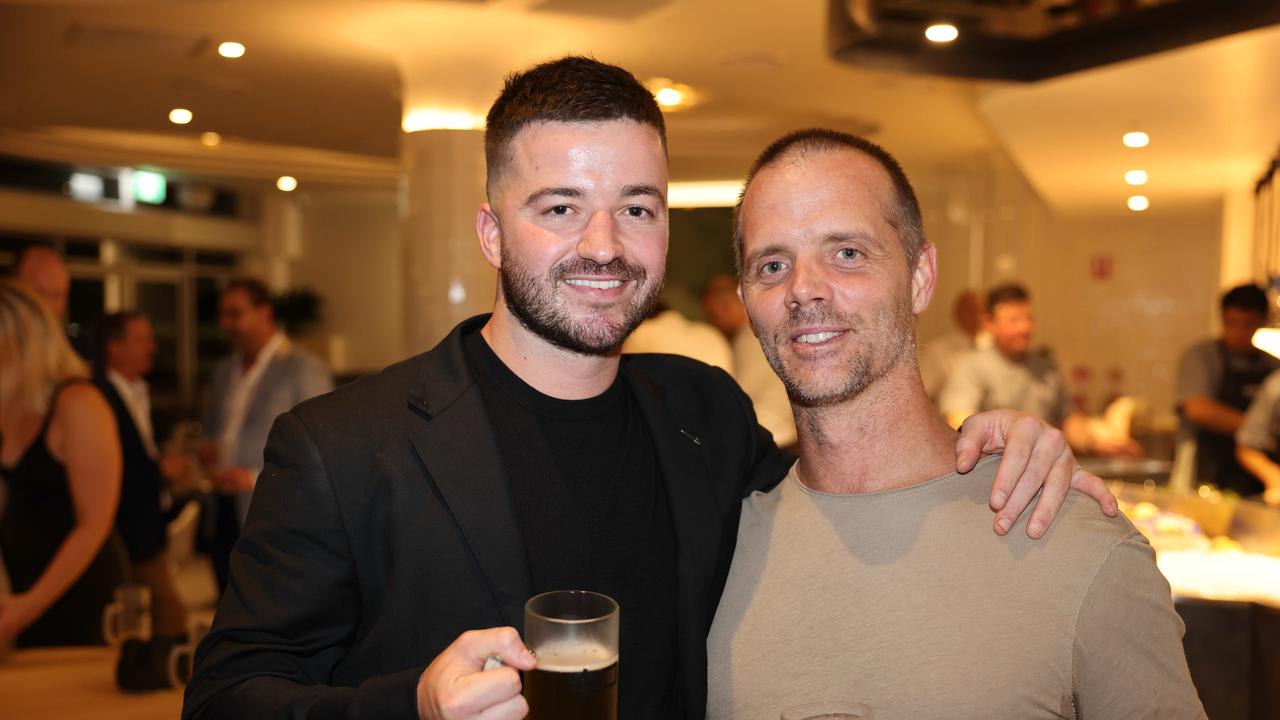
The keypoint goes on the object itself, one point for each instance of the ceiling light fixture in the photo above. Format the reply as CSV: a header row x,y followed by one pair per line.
x,y
941,33
180,116
435,119
286,183
231,50
1136,177
210,139
1138,203
672,95
1136,139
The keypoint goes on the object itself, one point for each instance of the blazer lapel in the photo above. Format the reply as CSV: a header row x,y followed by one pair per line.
x,y
697,527
455,443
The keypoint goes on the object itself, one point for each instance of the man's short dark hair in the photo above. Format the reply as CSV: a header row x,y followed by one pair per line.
x,y
257,291
1012,292
1250,298
572,89
905,216
110,328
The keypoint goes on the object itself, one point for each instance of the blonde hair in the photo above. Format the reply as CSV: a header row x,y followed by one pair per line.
x,y
34,353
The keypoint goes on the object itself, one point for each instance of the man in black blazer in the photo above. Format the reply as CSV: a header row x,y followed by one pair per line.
x,y
402,521
126,347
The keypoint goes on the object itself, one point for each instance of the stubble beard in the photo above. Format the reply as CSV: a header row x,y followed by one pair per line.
x,y
539,305
888,341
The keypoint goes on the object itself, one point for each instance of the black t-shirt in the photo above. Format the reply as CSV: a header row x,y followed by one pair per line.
x,y
593,512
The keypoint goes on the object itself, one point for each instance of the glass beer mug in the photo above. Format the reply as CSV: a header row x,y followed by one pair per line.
x,y
574,635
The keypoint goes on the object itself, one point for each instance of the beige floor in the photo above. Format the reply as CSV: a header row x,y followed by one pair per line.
x,y
74,683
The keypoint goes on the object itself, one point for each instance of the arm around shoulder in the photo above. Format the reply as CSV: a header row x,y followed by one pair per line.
x,y
1129,660
292,605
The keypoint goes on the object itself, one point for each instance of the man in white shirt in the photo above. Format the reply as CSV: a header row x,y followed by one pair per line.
x,y
125,353
938,358
266,375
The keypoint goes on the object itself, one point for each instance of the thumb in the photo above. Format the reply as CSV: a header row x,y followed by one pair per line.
x,y
478,646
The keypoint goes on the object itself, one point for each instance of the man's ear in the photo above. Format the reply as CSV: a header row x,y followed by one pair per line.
x,y
490,234
924,278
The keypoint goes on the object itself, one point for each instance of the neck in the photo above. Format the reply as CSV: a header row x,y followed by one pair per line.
x,y
255,347
127,375
549,369
888,436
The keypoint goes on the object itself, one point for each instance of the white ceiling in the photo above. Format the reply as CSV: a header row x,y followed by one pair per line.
x,y
324,84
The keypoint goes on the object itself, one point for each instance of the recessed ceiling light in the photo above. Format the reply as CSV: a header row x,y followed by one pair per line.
x,y
1138,203
668,97
941,33
1136,139
435,119
1136,177
287,183
231,50
210,139
180,116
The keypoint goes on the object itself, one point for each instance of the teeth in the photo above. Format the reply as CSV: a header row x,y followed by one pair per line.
x,y
597,284
817,337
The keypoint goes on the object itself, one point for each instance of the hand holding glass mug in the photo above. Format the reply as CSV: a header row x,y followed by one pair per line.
x,y
456,686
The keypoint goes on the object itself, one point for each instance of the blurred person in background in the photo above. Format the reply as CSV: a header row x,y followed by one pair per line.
x,y
938,358
43,270
667,331
266,375
1258,439
1217,379
60,462
724,310
126,350
1012,375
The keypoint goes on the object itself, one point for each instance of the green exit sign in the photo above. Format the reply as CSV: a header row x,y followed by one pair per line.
x,y
149,187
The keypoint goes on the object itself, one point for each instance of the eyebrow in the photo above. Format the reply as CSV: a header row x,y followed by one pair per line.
x,y
567,192
645,190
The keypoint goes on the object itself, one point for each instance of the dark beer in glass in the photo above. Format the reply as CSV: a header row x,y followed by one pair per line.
x,y
574,635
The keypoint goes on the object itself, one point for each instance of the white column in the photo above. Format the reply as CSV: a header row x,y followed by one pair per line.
x,y
446,278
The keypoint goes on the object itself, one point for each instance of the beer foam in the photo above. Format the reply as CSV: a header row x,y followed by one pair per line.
x,y
569,656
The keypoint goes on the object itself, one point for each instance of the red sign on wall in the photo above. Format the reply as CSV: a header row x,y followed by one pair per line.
x,y
1102,266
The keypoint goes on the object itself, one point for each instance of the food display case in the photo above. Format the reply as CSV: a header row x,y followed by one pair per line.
x,y
1221,556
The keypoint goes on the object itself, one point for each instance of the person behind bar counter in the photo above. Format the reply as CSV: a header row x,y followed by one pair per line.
x,y
869,574
1217,379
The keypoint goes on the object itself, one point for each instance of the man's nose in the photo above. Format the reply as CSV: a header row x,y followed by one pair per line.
x,y
599,242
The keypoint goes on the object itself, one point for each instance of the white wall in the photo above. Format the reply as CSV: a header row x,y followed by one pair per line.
x,y
350,254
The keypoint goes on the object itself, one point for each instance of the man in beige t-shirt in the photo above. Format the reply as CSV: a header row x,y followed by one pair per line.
x,y
870,574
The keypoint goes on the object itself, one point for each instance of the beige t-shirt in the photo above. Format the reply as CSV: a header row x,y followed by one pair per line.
x,y
907,601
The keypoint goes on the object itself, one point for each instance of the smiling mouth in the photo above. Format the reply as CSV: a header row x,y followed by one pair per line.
x,y
817,337
597,284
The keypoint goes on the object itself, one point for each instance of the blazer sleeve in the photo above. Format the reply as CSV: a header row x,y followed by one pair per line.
x,y
292,605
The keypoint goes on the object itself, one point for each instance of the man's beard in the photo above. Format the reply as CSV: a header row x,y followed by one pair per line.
x,y
877,349
539,305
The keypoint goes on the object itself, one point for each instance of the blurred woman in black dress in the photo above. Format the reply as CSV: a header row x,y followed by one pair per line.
x,y
60,464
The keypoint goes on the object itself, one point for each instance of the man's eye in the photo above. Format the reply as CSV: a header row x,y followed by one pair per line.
x,y
559,210
848,253
771,268
636,211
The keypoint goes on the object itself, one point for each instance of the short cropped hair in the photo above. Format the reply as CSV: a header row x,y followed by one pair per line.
x,y
1011,292
905,216
1250,298
111,327
572,89
257,291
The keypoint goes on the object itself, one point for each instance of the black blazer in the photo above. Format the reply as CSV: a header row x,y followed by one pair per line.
x,y
139,518
382,528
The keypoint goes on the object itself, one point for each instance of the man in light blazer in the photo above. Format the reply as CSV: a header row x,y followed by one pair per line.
x,y
265,376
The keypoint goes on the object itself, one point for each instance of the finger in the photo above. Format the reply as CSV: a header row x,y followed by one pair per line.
x,y
476,692
1048,446
968,447
1094,487
1051,498
513,709
1020,438
477,646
